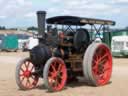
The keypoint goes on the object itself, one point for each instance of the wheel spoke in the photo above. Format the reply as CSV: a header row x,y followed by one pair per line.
x,y
103,62
22,79
62,77
107,69
27,65
104,56
107,66
59,67
28,84
62,69
53,67
22,69
97,57
53,74
101,77
95,61
31,68
95,69
34,82
57,82
21,75
32,77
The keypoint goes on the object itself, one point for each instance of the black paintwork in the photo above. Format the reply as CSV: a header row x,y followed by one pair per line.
x,y
73,20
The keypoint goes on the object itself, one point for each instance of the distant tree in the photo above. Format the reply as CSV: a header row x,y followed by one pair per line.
x,y
126,28
12,28
32,28
2,28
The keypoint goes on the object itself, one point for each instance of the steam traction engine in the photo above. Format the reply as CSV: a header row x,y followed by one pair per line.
x,y
66,51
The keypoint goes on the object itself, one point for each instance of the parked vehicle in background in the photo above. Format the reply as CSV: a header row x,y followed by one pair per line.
x,y
32,42
22,41
9,42
119,46
1,39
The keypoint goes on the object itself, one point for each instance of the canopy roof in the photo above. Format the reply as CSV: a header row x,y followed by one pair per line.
x,y
73,20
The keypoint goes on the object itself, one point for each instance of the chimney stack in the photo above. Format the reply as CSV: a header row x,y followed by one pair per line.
x,y
41,19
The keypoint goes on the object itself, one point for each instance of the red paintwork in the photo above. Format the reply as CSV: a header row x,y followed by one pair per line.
x,y
57,75
27,79
102,65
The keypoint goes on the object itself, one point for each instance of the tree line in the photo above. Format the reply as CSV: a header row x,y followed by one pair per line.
x,y
35,28
2,28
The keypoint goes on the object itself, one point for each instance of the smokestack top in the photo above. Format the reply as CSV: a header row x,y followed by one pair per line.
x,y
41,12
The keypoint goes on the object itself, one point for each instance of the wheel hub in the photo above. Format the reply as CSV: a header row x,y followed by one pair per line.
x,y
101,69
27,73
57,75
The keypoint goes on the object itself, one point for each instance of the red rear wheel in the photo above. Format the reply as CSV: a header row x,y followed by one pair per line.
x,y
102,64
55,74
98,64
25,77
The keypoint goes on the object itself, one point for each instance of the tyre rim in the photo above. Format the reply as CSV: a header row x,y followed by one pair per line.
x,y
102,65
57,75
27,78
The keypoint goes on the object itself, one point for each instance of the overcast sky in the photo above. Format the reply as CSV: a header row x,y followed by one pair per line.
x,y
22,13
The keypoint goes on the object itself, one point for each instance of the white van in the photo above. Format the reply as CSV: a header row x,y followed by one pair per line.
x,y
119,45
32,42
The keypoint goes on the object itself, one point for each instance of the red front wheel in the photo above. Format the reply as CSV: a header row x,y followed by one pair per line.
x,y
25,77
55,74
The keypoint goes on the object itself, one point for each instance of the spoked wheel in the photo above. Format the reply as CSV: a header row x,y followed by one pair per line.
x,y
25,76
55,74
97,64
